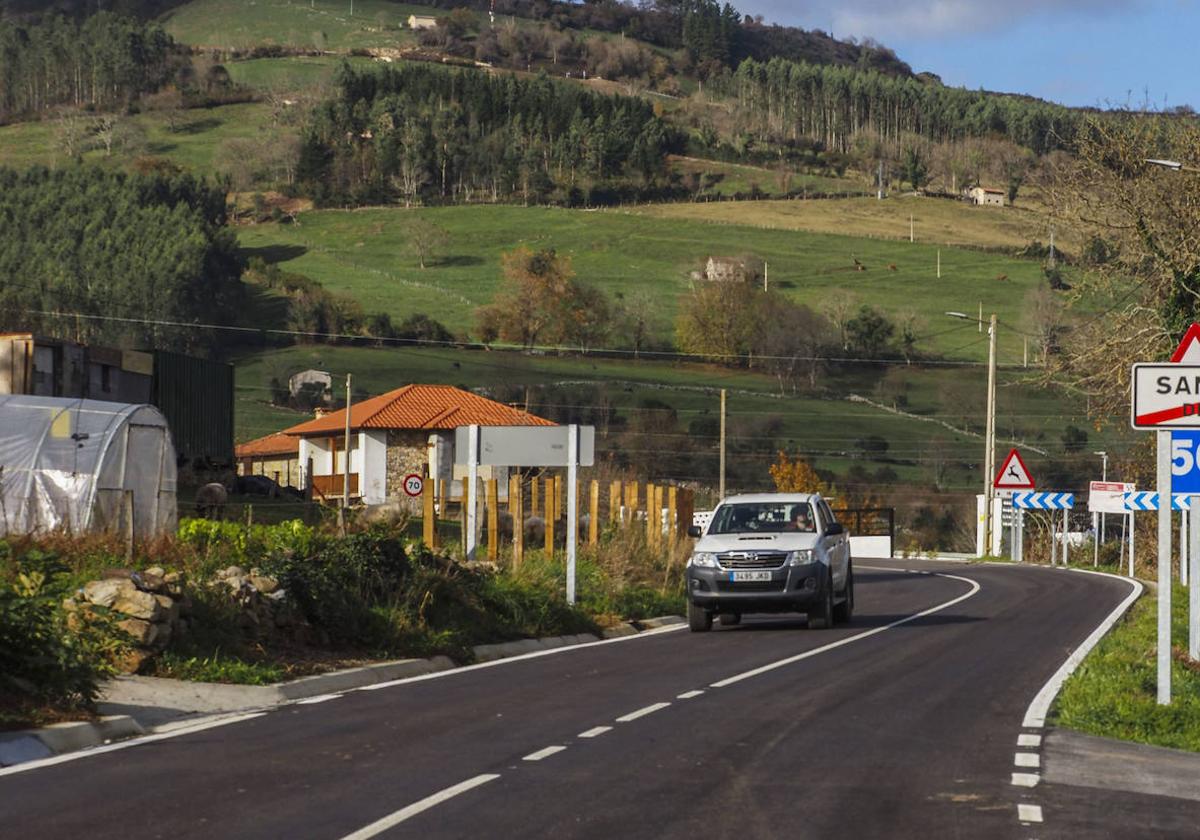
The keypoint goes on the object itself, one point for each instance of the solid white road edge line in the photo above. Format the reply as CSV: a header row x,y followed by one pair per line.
x,y
320,698
594,732
425,804
545,752
1029,813
1026,779
1027,760
688,695
208,723
771,666
642,712
1029,740
449,672
1035,716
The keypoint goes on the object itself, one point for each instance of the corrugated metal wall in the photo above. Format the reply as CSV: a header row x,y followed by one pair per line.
x,y
196,397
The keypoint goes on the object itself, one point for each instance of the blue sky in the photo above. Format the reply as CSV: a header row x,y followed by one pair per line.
x,y
1102,52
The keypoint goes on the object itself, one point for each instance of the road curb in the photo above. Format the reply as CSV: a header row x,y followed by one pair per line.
x,y
32,744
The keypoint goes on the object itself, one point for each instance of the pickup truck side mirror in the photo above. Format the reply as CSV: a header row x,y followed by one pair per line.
x,y
834,528
693,530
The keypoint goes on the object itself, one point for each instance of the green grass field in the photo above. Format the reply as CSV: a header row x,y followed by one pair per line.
x,y
741,178
307,24
362,253
292,73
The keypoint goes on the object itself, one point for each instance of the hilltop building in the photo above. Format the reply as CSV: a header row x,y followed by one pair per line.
x,y
986,197
419,22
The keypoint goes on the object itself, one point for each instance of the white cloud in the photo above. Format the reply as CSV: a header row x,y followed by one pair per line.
x,y
892,19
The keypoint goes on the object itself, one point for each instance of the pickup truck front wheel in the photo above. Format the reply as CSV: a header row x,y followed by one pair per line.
x,y
700,620
821,618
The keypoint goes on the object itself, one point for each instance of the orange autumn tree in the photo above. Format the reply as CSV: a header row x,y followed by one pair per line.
x,y
795,475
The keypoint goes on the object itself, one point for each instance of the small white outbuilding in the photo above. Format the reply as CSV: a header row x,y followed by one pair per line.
x,y
84,465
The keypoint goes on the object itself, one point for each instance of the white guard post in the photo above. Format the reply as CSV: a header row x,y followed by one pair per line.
x,y
472,496
1194,589
572,506
1132,539
1164,568
1184,523
1066,534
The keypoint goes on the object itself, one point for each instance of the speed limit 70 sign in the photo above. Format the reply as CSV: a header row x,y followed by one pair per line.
x,y
414,485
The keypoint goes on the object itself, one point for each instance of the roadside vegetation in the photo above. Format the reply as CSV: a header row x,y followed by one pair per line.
x,y
1114,692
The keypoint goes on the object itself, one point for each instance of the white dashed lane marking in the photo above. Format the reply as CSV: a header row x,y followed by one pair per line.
x,y
1029,813
1025,759
688,695
594,731
1029,740
642,712
545,752
1026,779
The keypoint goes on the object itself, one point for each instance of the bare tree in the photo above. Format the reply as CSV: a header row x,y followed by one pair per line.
x,y
426,240
840,307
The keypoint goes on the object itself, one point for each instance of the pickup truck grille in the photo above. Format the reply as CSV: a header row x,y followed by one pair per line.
x,y
752,559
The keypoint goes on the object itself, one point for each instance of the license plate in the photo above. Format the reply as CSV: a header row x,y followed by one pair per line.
x,y
741,577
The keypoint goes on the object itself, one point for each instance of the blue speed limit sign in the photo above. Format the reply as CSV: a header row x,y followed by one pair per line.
x,y
1185,462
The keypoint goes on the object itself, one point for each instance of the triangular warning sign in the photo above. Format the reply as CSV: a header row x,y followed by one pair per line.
x,y
1013,475
1188,351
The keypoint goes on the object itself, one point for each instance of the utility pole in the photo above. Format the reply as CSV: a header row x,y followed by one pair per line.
x,y
989,455
346,471
881,179
939,263
1052,247
721,480
766,273
981,317
910,228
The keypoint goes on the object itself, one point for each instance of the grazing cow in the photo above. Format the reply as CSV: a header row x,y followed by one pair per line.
x,y
210,500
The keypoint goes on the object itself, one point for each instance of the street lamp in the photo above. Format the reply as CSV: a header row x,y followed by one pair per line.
x,y
989,440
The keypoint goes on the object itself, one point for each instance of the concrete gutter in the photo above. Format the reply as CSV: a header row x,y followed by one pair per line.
x,y
158,703
1072,758
33,744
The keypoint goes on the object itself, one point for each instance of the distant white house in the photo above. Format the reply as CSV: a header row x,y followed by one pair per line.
x,y
311,378
421,22
987,197
732,269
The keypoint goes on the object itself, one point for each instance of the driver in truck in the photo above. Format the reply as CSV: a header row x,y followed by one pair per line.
x,y
801,521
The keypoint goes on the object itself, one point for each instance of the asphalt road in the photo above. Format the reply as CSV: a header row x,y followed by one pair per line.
x,y
883,728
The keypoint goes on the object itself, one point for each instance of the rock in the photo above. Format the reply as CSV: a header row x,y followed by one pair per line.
x,y
130,660
157,571
170,610
162,635
265,584
174,583
104,593
148,582
138,604
141,632
231,571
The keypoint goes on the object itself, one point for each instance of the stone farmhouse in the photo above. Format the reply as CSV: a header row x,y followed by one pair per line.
x,y
986,197
419,22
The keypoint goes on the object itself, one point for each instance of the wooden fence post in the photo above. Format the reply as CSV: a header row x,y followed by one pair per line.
x,y
650,515
514,508
493,520
429,513
549,518
560,507
631,501
614,502
658,516
594,514
533,497
466,500
672,517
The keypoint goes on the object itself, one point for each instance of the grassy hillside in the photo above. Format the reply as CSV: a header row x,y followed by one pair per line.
x,y
644,259
933,220
306,24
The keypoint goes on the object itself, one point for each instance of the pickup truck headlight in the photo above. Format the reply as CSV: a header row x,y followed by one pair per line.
x,y
704,560
800,558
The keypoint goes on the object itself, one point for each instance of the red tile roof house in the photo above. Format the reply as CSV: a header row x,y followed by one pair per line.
x,y
409,430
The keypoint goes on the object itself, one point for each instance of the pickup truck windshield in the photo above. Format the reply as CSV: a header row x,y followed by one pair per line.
x,y
763,518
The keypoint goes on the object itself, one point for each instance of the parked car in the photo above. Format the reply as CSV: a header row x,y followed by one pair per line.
x,y
770,552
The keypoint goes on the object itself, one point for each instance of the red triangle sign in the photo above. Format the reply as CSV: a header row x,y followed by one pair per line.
x,y
1013,475
1188,350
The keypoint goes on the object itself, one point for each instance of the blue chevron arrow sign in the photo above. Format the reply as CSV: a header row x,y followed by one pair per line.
x,y
1044,501
1149,501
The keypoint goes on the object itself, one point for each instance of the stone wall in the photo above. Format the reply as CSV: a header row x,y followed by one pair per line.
x,y
407,452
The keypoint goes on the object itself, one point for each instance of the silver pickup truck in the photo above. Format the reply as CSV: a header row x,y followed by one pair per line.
x,y
770,552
